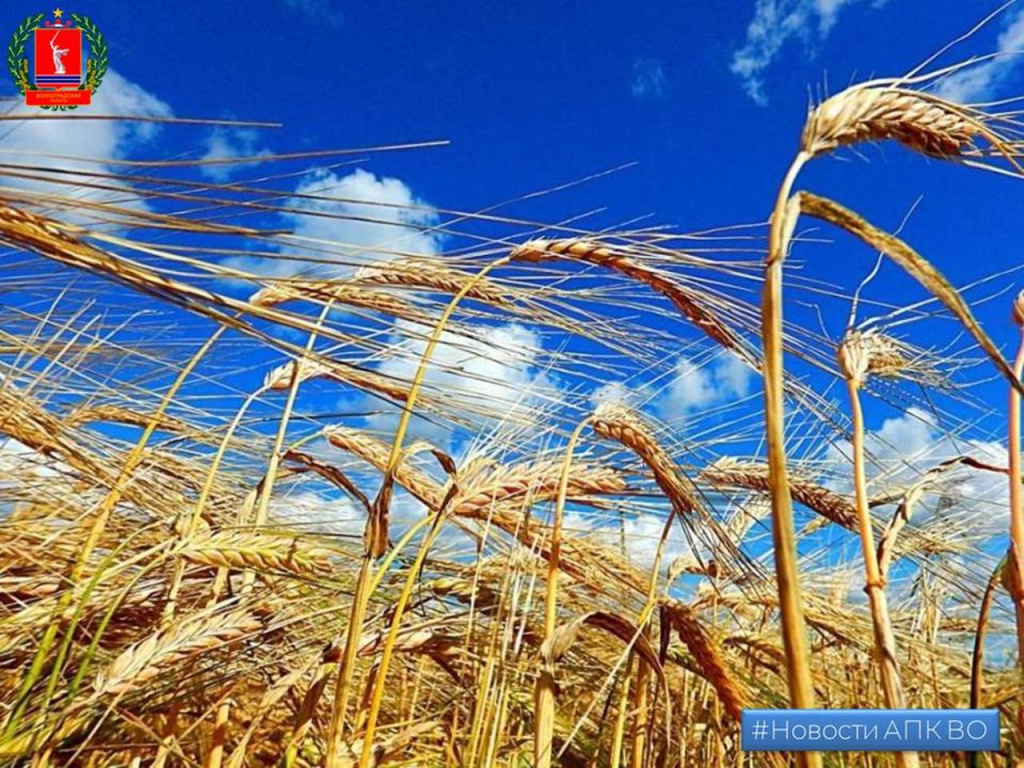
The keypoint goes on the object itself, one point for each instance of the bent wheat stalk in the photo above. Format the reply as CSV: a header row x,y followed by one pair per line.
x,y
914,264
981,631
798,673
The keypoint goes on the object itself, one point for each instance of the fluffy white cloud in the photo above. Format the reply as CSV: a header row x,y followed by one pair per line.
x,y
494,378
355,219
37,142
907,446
694,386
649,80
614,392
982,81
774,23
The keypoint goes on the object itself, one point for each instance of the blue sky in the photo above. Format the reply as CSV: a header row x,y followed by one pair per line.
x,y
535,94
707,98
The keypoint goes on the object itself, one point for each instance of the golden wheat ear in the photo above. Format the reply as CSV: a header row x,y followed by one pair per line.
x,y
914,264
923,122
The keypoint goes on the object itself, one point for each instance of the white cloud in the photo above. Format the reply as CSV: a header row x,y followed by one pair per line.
x,y
641,534
497,371
982,81
35,142
18,458
318,513
649,81
694,386
361,218
229,144
775,22
614,392
493,378
907,446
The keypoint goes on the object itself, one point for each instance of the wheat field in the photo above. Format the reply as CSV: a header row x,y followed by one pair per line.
x,y
395,505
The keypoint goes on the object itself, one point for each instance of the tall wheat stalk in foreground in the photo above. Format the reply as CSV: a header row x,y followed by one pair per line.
x,y
544,692
1015,561
873,111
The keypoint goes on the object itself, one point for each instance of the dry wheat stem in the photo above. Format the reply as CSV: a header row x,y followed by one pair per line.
x,y
1015,558
798,675
854,358
981,631
396,621
266,488
215,756
544,691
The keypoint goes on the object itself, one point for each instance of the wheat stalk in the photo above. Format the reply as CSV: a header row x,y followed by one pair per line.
x,y
375,536
1015,557
544,690
855,357
868,112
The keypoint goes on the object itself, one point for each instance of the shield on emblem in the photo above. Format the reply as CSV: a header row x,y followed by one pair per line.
x,y
58,58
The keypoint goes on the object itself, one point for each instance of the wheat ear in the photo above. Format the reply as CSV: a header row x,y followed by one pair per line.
x,y
258,551
923,123
684,299
164,649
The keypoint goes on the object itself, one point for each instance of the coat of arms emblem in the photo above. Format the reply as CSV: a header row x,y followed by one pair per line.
x,y
57,63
